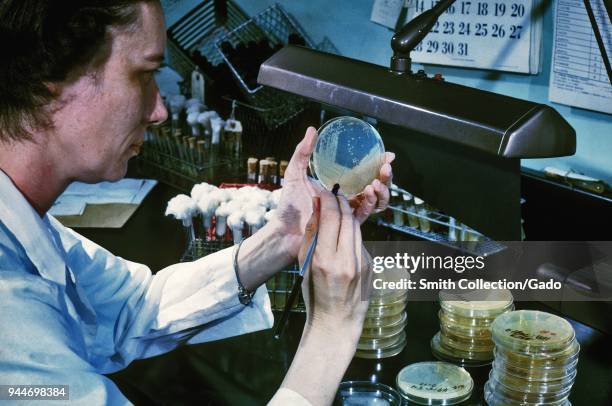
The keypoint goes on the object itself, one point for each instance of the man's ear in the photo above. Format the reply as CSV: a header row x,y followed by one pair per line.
x,y
55,88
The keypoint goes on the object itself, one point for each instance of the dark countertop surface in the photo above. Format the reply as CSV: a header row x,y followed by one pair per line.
x,y
247,370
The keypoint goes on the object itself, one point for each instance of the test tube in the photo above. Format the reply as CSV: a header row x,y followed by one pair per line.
x,y
263,172
236,222
217,129
409,206
421,210
452,229
252,170
192,120
201,151
233,131
398,216
272,170
281,171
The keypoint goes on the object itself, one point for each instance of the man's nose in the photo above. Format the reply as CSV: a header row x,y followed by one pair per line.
x,y
160,113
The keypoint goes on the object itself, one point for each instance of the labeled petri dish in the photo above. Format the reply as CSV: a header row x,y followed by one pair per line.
x,y
521,385
452,342
383,321
481,333
360,393
466,321
467,341
535,376
551,360
386,310
476,303
532,332
385,331
494,398
349,152
434,383
366,343
522,398
384,352
388,298
457,356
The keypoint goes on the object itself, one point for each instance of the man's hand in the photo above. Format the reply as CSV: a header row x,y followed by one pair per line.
x,y
295,207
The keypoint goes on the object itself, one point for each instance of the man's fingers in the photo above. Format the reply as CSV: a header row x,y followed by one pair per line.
x,y
367,204
301,156
329,225
382,195
311,228
389,157
386,174
314,186
349,229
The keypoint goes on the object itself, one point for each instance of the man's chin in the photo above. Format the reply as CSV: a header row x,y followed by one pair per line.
x,y
107,176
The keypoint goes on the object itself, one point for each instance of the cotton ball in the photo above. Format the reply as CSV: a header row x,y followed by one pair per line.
x,y
236,222
182,207
254,218
234,205
194,106
201,189
221,214
253,207
274,198
207,206
221,195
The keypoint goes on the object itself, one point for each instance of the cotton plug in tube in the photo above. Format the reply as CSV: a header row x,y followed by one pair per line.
x,y
176,103
183,207
274,198
221,216
193,102
236,223
207,206
254,218
216,124
192,120
201,189
204,120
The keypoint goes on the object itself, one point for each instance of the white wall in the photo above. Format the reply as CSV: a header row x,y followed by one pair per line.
x,y
347,24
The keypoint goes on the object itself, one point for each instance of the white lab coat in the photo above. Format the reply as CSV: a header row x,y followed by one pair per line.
x,y
71,311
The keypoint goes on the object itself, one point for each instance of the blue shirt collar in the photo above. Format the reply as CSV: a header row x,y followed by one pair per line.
x,y
31,231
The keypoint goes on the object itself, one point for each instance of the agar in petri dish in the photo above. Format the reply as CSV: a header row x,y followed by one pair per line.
x,y
476,303
349,152
434,383
531,331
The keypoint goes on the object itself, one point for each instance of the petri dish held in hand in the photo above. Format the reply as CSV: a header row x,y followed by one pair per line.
x,y
349,152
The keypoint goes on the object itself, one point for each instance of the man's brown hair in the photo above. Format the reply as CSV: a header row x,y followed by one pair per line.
x,y
44,42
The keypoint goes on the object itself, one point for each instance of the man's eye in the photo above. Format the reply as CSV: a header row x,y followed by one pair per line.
x,y
150,74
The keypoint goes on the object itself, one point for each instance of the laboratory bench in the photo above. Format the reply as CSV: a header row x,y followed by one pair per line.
x,y
247,370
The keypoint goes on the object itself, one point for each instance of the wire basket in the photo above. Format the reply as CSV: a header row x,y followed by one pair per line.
x,y
274,26
274,131
279,286
432,225
198,30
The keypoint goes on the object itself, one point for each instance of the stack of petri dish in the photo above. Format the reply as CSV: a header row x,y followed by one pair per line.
x,y
536,358
383,332
434,383
465,325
